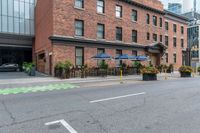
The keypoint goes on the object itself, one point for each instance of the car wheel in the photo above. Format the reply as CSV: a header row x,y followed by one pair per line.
x,y
17,70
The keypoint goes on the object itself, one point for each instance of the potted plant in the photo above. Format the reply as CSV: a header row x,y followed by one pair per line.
x,y
29,68
170,68
138,66
185,71
103,68
59,69
32,69
67,66
149,73
198,69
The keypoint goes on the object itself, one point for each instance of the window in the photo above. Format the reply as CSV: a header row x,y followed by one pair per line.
x,y
182,30
134,15
100,6
100,51
134,36
134,53
119,34
79,28
154,20
167,58
118,11
166,26
118,53
182,43
160,22
79,56
79,3
148,19
100,31
41,56
161,38
148,36
166,40
155,37
174,41
174,55
174,28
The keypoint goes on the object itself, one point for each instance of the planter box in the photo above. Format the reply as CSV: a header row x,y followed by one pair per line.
x,y
185,75
149,77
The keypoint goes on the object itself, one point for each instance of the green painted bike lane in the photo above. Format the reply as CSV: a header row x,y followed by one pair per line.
x,y
39,88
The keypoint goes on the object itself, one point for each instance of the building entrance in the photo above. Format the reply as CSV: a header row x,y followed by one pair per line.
x,y
15,55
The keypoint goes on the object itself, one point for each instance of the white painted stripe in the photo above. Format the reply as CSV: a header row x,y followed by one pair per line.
x,y
64,123
118,97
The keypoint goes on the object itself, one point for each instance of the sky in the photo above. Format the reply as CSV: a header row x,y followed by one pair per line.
x,y
165,2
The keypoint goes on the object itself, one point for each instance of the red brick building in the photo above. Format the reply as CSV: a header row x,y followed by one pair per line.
x,y
76,30
175,39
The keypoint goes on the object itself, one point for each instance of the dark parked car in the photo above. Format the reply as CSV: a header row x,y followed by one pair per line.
x,y
9,67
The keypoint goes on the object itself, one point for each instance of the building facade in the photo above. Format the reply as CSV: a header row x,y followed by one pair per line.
x,y
76,30
176,39
16,31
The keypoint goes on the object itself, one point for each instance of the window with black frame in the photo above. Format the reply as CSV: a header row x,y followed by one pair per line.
x,y
118,33
79,56
154,20
100,31
174,42
134,15
134,36
118,11
79,3
100,6
148,19
79,28
166,40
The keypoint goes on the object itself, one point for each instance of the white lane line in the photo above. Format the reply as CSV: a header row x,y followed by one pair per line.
x,y
118,97
64,123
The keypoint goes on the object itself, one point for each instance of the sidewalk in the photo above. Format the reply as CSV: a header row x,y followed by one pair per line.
x,y
90,81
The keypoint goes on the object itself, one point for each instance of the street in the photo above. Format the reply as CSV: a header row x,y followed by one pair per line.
x,y
171,106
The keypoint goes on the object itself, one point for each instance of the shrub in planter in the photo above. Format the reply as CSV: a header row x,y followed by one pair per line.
x,y
185,71
29,68
149,73
160,68
103,68
138,66
198,69
170,68
62,69
67,66
59,69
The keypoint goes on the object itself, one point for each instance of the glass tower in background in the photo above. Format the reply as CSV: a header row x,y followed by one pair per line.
x,y
17,17
175,8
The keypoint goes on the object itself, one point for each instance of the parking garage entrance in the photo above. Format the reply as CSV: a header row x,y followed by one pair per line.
x,y
16,55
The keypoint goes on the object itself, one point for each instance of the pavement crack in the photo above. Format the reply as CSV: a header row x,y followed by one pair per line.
x,y
8,112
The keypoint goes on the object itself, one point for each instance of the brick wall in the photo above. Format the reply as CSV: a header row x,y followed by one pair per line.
x,y
178,49
58,16
65,14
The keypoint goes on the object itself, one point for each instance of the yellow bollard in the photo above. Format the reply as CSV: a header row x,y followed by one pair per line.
x,y
121,75
165,74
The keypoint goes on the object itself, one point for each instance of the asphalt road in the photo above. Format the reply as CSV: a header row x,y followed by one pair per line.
x,y
150,107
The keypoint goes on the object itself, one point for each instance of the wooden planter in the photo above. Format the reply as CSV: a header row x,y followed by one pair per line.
x,y
185,74
149,77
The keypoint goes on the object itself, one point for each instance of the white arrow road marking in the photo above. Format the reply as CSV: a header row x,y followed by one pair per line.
x,y
118,97
64,123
